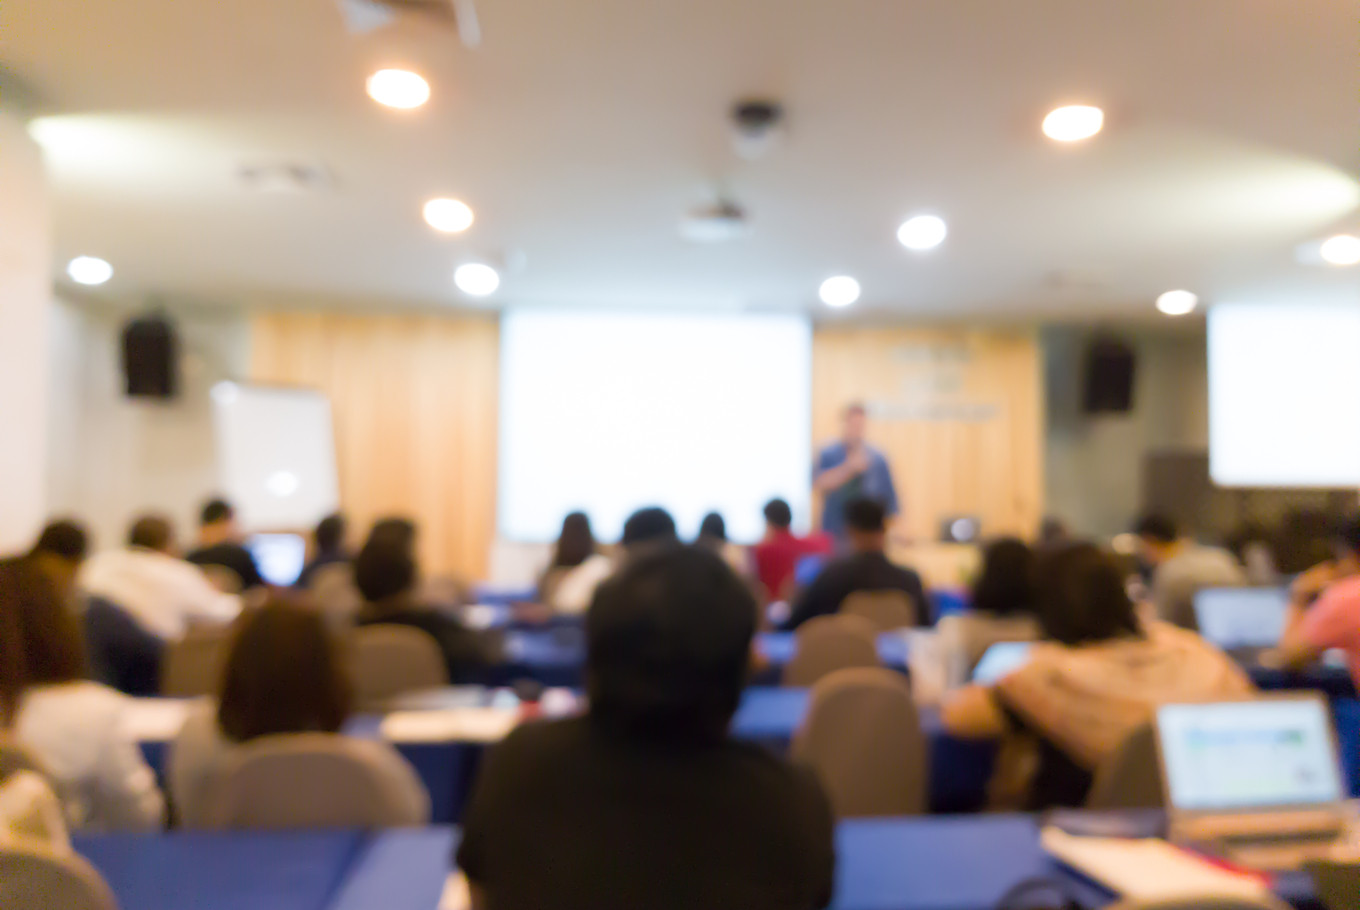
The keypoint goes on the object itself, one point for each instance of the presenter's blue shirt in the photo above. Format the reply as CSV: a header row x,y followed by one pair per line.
x,y
875,483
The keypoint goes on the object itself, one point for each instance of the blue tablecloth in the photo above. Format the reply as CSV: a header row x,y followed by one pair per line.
x,y
402,869
223,871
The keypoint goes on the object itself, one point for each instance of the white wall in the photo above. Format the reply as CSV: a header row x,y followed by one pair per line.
x,y
25,288
113,457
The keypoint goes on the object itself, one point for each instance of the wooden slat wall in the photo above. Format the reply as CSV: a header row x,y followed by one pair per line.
x,y
959,415
414,400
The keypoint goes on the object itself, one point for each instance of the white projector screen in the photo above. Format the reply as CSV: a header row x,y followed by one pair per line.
x,y
608,412
1284,396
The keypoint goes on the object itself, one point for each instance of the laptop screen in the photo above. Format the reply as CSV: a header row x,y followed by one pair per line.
x,y
999,660
1242,617
279,557
1245,755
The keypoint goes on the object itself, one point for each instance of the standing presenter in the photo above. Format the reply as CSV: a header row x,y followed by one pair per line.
x,y
850,468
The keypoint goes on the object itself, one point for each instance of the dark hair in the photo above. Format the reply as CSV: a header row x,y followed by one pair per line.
x,y
576,543
330,533
1005,587
154,532
215,510
384,568
778,513
1156,527
865,515
65,539
396,530
284,674
40,640
1082,598
650,525
713,528
668,642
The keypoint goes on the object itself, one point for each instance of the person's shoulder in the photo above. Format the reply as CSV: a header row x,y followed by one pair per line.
x,y
788,787
92,701
542,741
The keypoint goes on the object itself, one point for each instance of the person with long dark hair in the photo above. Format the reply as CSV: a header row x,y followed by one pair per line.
x,y
1003,607
577,567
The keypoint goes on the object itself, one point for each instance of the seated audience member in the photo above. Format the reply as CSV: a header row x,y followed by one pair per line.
x,y
59,552
646,801
778,553
159,590
74,726
1053,533
385,574
646,529
285,674
219,544
328,548
713,534
1003,607
1325,608
577,568
864,568
1182,567
1096,677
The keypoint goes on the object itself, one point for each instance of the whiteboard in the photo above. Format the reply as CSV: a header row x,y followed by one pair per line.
x,y
275,455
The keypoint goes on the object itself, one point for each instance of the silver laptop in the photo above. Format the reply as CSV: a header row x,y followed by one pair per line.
x,y
1257,780
1242,621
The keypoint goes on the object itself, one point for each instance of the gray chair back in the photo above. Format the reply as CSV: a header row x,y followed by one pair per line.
x,y
1131,778
315,780
887,610
389,660
863,736
38,876
194,664
830,643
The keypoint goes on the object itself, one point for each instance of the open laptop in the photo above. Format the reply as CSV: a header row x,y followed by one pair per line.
x,y
999,660
279,557
1242,621
1256,781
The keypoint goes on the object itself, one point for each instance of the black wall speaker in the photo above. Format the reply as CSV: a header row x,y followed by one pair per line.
x,y
151,357
1108,377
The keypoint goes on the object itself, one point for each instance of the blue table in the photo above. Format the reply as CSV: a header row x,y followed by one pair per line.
x,y
402,869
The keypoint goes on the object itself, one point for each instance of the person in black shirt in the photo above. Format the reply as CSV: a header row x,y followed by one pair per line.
x,y
329,538
865,568
646,801
219,544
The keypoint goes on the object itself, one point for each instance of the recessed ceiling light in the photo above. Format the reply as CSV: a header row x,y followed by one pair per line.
x,y
1073,123
89,270
448,215
1177,303
923,232
398,88
477,279
1343,249
840,291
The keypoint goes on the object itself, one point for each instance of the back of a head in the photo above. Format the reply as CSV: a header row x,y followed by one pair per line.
x,y
330,533
1156,528
652,525
1006,584
576,543
152,532
713,528
216,511
284,674
1082,598
668,643
63,539
396,530
384,568
865,516
40,640
778,514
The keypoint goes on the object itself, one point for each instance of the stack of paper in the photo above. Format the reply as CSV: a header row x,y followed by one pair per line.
x,y
1149,868
480,725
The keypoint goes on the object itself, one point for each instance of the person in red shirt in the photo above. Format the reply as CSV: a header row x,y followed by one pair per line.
x,y
777,555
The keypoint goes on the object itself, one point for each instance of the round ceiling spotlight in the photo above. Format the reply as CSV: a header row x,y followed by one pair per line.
x,y
477,279
1073,123
450,216
840,291
1343,249
401,89
90,270
1177,303
922,232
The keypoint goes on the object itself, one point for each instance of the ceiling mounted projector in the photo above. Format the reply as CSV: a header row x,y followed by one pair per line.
x,y
717,223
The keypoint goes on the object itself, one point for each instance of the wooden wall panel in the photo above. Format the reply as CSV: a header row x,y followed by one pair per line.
x,y
959,415
414,400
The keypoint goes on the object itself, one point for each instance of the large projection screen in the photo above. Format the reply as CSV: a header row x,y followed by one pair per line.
x,y
1284,396
606,412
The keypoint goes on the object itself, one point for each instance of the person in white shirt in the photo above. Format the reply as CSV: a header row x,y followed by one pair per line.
x,y
162,592
76,728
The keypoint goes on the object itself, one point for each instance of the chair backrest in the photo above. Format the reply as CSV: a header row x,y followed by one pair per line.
x,y
887,610
1264,902
194,664
316,780
1131,778
863,736
391,659
224,579
29,808
122,654
16,757
830,643
38,876
333,591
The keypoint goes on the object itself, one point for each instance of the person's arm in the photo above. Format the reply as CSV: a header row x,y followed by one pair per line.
x,y
1297,649
890,503
916,590
973,713
250,571
827,478
200,600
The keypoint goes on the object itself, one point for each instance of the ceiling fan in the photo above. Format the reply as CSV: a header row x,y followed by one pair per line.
x,y
364,16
